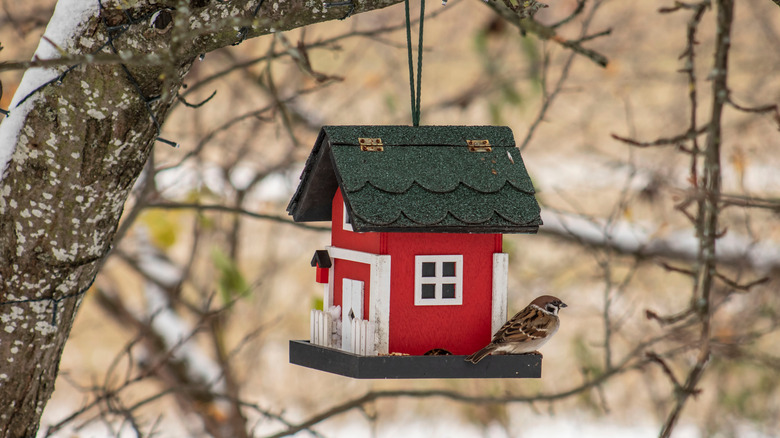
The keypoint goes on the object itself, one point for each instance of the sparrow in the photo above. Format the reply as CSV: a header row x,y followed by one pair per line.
x,y
527,331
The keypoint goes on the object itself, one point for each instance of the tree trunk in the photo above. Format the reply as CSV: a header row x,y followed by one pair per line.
x,y
80,143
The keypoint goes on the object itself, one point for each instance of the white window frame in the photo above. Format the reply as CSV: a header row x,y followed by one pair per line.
x,y
344,224
438,280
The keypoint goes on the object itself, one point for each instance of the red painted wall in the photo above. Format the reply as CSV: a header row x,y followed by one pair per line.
x,y
461,329
365,242
352,271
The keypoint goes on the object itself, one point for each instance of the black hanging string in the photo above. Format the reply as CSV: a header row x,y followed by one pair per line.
x,y
415,99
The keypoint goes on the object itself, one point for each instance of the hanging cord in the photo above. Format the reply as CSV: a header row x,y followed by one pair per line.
x,y
415,100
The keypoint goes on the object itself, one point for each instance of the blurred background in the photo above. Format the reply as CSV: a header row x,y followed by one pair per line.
x,y
185,331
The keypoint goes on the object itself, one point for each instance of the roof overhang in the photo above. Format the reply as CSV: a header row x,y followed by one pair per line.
x,y
424,179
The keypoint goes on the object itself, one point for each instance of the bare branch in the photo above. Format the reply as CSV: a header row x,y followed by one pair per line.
x,y
549,96
744,286
665,367
671,268
577,11
546,32
672,319
196,105
630,239
664,141
226,209
764,109
728,200
708,213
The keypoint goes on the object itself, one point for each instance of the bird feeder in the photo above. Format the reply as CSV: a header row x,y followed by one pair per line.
x,y
415,277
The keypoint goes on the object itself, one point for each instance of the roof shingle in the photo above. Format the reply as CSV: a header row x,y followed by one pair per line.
x,y
424,180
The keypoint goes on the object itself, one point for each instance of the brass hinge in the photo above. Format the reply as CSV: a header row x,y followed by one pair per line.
x,y
371,144
479,145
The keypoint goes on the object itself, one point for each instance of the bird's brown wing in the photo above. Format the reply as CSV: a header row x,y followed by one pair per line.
x,y
529,323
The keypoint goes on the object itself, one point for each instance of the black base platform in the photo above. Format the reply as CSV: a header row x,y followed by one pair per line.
x,y
413,367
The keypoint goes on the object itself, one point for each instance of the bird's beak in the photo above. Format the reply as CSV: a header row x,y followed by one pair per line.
x,y
563,305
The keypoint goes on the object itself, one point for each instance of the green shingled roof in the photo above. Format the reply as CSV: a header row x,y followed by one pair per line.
x,y
425,179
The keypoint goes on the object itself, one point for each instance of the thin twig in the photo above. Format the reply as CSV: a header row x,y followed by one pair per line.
x,y
672,319
728,200
764,109
665,367
663,141
546,32
577,11
741,286
226,209
549,97
196,105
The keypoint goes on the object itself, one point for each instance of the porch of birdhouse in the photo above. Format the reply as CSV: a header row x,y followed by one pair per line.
x,y
353,365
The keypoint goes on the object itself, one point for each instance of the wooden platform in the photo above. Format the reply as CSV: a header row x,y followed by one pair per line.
x,y
414,367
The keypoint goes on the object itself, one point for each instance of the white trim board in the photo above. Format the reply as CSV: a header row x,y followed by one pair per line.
x,y
500,271
379,292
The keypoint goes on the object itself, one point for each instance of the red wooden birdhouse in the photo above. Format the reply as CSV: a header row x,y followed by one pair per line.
x,y
415,276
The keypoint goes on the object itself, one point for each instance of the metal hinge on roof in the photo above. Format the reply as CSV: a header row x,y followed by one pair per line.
x,y
479,145
371,144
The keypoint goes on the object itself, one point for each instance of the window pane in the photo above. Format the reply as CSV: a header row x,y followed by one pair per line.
x,y
449,269
429,269
428,291
448,291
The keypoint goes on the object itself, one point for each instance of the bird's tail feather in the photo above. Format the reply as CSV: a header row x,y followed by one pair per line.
x,y
479,355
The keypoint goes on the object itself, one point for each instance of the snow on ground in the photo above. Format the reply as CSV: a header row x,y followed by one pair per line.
x,y
557,427
443,427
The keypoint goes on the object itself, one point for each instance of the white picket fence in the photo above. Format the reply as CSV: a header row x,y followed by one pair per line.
x,y
363,337
360,342
321,328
